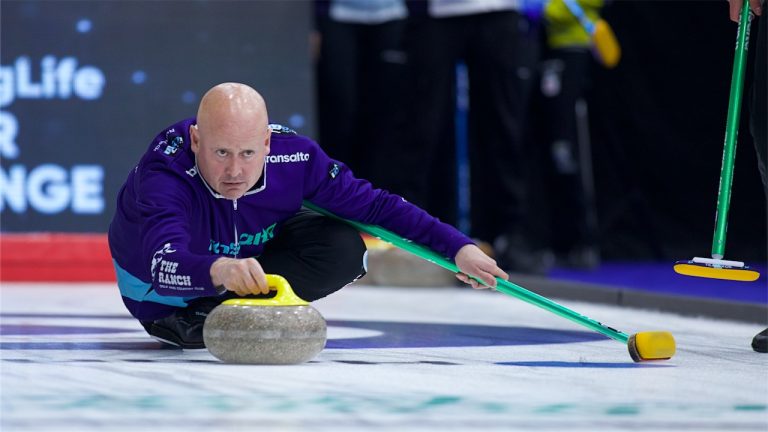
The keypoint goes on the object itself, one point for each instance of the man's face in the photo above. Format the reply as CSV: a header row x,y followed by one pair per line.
x,y
231,163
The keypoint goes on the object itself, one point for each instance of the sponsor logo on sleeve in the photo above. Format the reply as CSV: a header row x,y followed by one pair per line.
x,y
334,171
164,270
280,129
158,257
288,158
171,144
168,278
174,145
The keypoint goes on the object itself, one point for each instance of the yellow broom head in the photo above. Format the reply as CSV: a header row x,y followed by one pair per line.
x,y
606,46
717,269
651,345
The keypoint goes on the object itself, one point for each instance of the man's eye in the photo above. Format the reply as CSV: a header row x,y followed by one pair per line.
x,y
221,153
249,153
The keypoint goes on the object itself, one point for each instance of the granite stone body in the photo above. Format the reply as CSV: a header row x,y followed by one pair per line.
x,y
264,334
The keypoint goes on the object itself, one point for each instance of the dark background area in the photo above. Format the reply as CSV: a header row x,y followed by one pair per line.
x,y
658,128
657,120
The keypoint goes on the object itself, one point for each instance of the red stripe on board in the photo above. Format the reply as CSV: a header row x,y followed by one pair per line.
x,y
55,257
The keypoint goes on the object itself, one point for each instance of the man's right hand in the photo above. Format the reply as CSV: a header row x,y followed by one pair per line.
x,y
241,276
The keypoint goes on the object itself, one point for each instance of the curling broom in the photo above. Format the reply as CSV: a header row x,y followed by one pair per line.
x,y
716,267
642,346
604,44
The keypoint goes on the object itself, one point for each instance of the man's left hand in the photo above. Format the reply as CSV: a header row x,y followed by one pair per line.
x,y
473,262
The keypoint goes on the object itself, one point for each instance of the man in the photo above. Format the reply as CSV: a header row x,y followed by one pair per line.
x,y
215,203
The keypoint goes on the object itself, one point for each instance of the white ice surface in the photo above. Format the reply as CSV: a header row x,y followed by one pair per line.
x,y
122,382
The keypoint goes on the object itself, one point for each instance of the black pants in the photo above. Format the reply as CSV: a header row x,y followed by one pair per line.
x,y
317,255
499,60
759,112
361,72
565,78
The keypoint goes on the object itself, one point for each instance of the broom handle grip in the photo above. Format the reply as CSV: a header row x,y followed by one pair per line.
x,y
731,134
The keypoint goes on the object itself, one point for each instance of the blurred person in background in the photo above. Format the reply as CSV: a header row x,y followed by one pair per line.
x,y
361,72
495,40
566,164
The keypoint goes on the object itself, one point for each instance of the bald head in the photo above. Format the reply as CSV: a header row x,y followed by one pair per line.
x,y
231,138
232,106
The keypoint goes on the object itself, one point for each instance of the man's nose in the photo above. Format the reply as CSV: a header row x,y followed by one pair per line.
x,y
234,167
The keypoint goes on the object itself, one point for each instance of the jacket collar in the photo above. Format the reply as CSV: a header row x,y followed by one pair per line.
x,y
260,185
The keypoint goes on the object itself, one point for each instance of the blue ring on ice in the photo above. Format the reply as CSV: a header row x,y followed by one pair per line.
x,y
387,334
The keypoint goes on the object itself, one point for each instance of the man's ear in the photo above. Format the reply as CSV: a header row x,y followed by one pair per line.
x,y
267,143
194,136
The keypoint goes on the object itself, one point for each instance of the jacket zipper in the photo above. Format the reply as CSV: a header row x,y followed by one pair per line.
x,y
234,223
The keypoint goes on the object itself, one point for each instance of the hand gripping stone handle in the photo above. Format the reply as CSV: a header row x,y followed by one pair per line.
x,y
284,296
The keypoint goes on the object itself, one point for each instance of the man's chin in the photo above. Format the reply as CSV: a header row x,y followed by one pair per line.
x,y
233,194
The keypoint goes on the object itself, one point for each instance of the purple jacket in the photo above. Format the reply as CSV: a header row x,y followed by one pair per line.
x,y
170,226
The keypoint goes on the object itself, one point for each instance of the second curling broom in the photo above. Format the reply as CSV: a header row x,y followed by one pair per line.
x,y
717,267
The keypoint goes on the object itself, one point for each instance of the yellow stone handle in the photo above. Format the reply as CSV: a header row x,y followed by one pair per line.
x,y
284,296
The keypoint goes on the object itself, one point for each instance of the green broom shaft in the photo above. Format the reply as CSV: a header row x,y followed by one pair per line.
x,y
731,134
514,290
502,285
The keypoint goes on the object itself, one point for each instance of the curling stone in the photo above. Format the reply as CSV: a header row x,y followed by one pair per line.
x,y
391,266
281,330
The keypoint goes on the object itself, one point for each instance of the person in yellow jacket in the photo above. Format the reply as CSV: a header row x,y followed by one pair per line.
x,y
563,26
565,75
